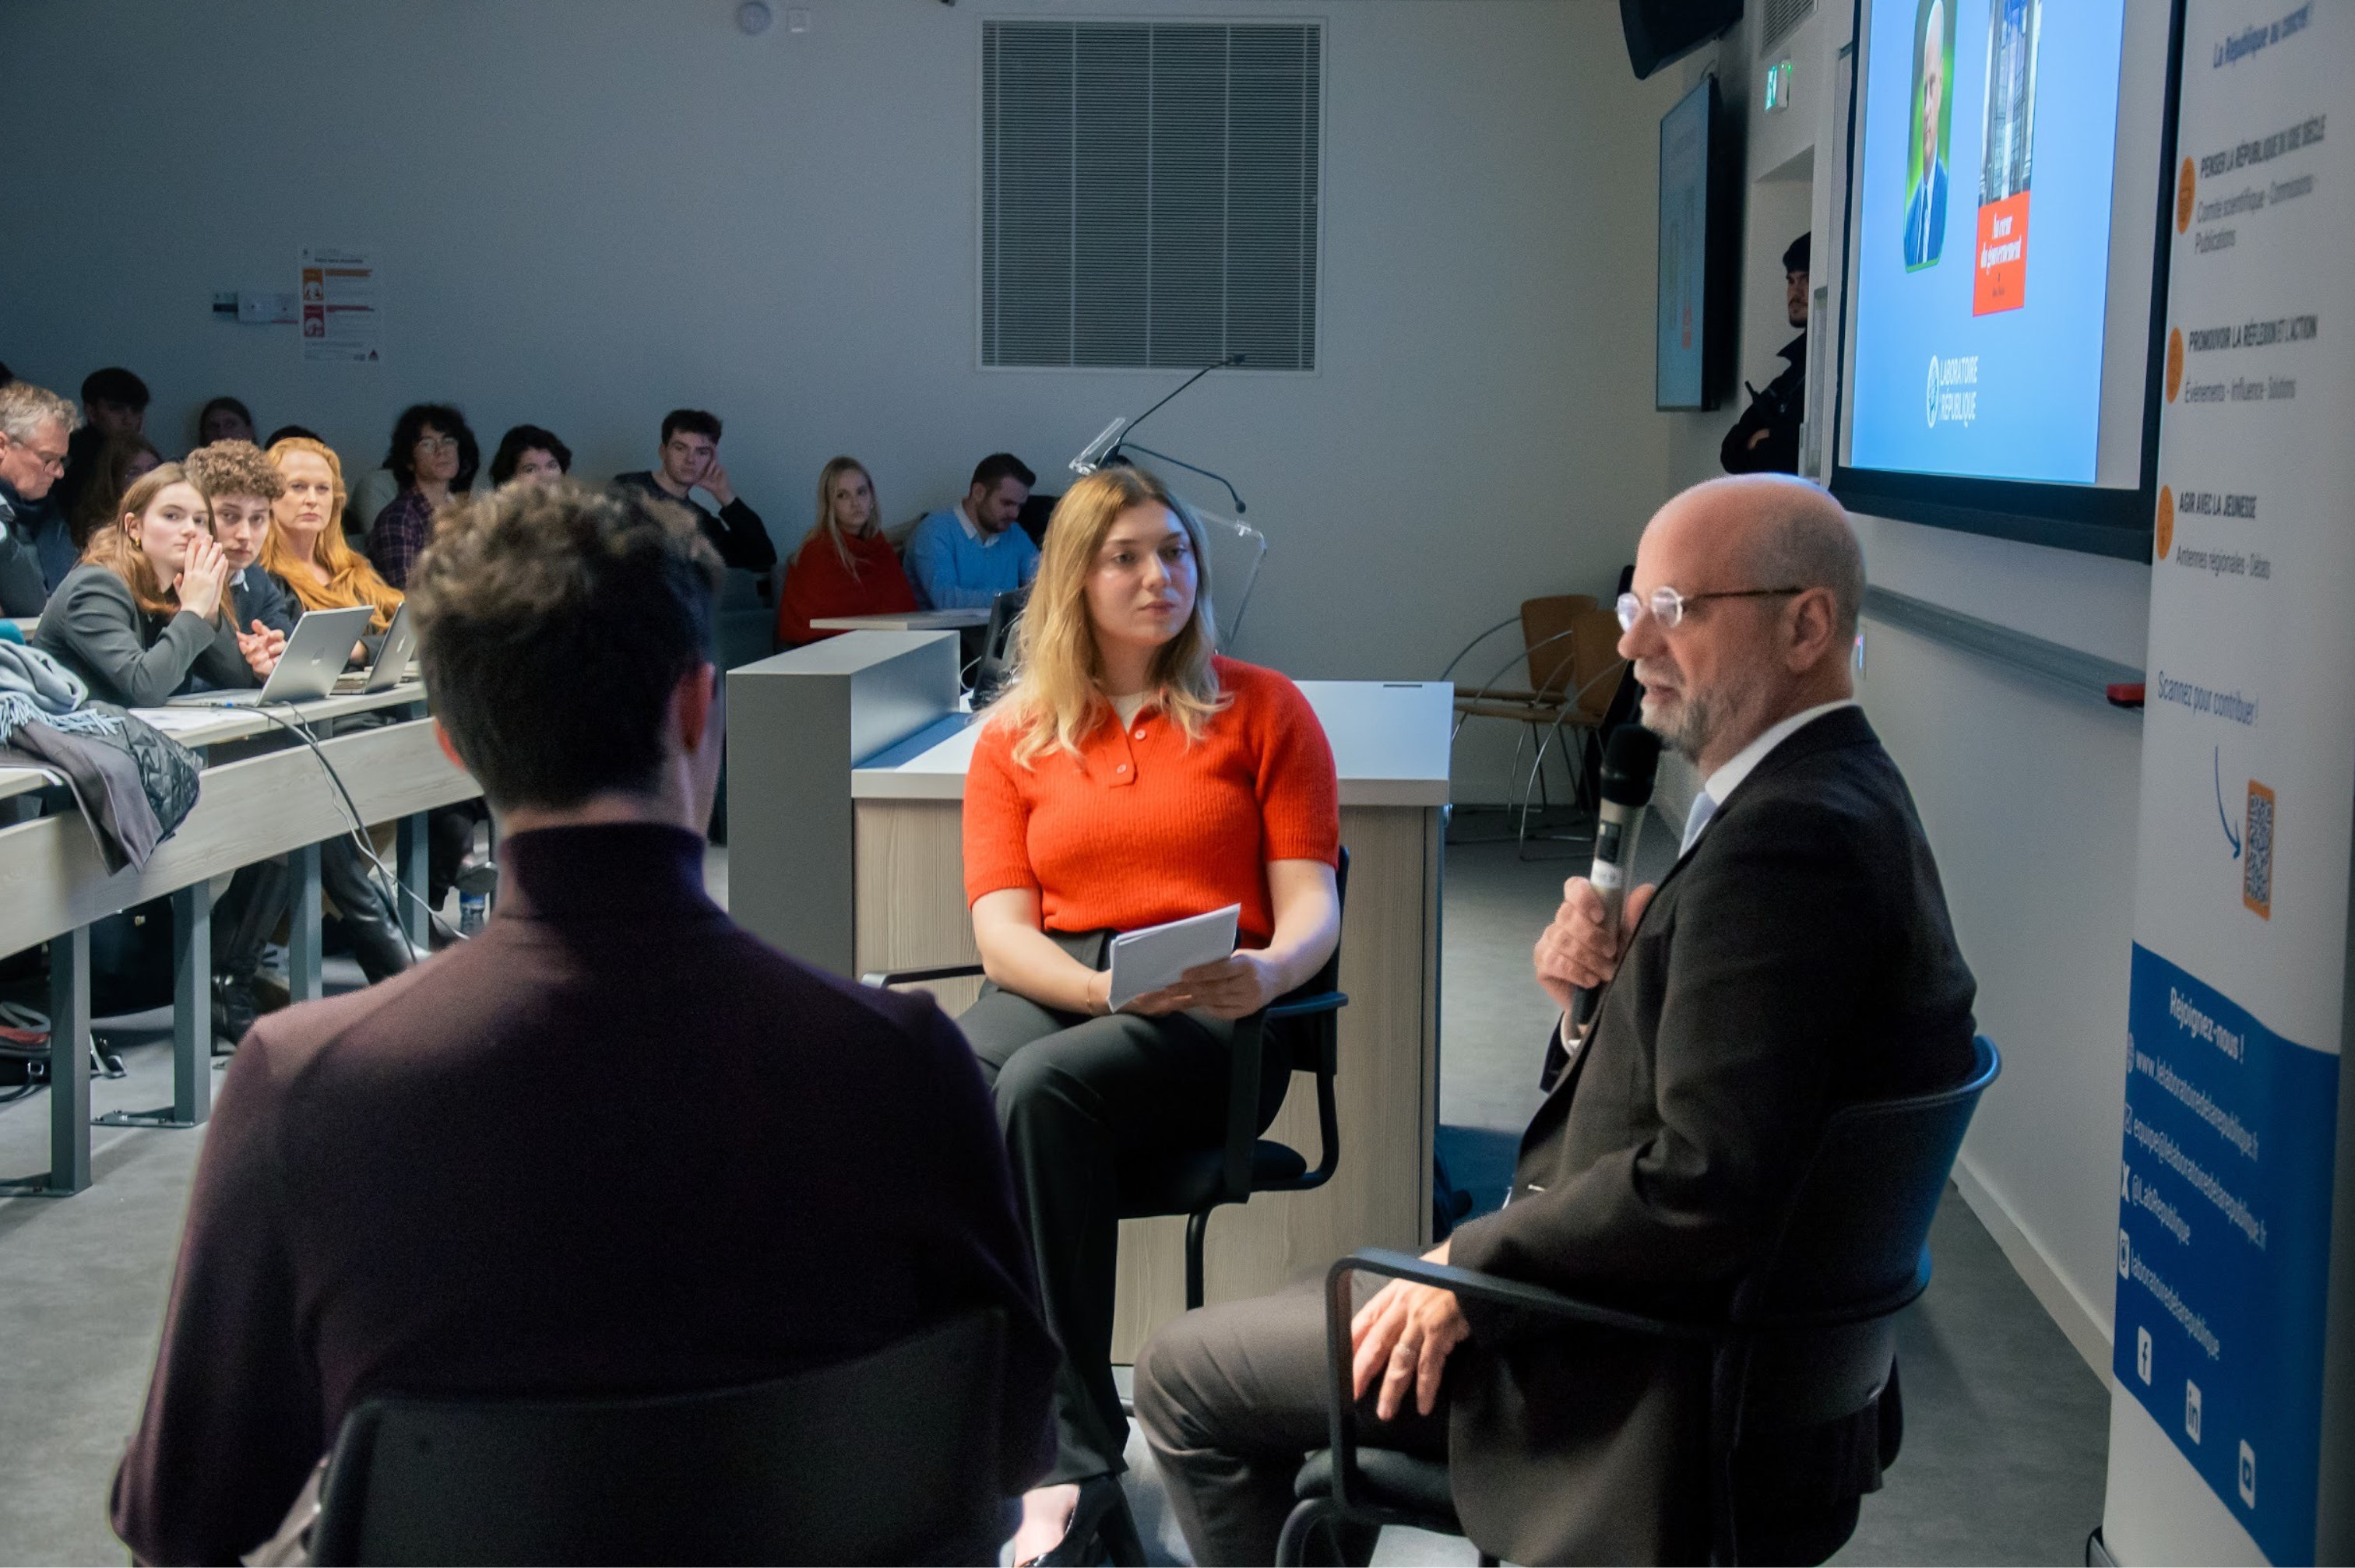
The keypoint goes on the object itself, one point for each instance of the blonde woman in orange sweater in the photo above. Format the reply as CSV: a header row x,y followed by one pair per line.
x,y
1129,777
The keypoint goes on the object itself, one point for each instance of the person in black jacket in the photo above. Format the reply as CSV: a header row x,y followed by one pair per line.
x,y
36,540
690,462
1766,439
1797,957
412,1188
241,485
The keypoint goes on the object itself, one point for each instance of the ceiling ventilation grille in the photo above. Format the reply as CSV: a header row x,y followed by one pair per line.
x,y
1782,15
1149,193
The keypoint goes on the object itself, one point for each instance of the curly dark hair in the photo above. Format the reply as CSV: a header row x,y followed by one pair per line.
x,y
524,439
582,608
446,418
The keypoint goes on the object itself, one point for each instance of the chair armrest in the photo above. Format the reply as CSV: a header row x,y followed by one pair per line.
x,y
1501,1292
1303,1006
1341,1404
886,978
1504,694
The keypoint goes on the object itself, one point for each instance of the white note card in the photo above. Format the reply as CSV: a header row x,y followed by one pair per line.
x,y
1148,960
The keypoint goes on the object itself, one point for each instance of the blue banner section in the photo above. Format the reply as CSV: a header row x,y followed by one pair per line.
x,y
2224,1245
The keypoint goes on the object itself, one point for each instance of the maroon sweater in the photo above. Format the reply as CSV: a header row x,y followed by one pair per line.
x,y
614,1145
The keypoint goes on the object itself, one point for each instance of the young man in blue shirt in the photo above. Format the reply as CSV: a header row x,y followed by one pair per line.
x,y
964,557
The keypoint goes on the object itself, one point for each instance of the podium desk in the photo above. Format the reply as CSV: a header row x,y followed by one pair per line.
x,y
853,858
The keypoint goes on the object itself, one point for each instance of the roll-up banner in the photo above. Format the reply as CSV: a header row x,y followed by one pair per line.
x,y
2237,1010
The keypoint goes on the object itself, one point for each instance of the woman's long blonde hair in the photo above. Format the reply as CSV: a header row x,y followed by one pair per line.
x,y
350,579
114,547
1054,700
828,526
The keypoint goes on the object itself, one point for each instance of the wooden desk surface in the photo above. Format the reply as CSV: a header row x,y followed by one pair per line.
x,y
200,724
904,620
52,879
1389,742
23,780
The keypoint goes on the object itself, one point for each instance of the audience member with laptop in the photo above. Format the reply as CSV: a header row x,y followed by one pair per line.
x,y
465,1181
145,615
1129,777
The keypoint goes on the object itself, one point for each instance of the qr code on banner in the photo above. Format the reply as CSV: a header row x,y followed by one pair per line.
x,y
2257,857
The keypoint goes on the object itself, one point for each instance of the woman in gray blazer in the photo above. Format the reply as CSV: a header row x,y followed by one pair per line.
x,y
142,617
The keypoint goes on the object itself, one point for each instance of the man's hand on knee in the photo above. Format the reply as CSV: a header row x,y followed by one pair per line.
x,y
1403,1335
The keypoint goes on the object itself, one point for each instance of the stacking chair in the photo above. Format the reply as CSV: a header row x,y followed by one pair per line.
x,y
1808,1337
1196,1181
889,1458
1571,645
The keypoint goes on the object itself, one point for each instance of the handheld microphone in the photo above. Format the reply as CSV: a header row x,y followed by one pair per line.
x,y
1630,761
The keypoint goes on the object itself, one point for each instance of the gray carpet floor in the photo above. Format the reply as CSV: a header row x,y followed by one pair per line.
x,y
2006,1428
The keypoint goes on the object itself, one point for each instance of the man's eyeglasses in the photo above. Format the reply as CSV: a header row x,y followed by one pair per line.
x,y
51,463
1667,606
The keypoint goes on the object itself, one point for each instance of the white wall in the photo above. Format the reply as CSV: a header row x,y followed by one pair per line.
x,y
591,211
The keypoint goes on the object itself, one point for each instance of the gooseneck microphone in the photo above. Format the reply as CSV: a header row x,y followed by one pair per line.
x,y
1630,761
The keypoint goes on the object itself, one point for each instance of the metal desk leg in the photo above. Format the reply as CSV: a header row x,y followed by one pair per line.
x,y
415,875
302,923
192,1017
69,1169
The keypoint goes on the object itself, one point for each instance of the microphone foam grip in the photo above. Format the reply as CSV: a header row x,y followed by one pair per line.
x,y
1631,759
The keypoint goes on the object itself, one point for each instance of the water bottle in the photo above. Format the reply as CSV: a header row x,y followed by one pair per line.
x,y
474,886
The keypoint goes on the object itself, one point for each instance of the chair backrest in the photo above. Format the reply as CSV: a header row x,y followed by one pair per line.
x,y
889,1458
1593,655
1856,1232
1314,1041
1552,654
996,661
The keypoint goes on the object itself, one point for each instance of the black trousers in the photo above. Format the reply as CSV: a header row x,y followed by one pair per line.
x,y
1077,1098
243,918
1233,1398
370,919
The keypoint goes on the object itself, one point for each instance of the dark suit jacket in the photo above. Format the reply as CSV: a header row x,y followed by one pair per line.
x,y
1797,957
613,1145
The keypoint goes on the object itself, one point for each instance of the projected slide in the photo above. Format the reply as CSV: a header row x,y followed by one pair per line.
x,y
1983,225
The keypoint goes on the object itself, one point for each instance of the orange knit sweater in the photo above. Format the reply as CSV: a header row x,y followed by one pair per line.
x,y
1143,828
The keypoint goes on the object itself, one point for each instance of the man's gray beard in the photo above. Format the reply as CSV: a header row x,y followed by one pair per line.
x,y
1688,732
1704,715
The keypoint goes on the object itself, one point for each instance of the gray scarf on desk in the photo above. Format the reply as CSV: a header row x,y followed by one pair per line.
x,y
35,689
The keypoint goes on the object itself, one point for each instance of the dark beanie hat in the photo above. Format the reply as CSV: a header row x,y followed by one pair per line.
x,y
1795,260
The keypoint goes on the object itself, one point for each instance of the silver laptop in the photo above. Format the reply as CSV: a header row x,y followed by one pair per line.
x,y
393,660
315,656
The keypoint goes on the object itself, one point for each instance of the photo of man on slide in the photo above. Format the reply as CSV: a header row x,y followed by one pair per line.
x,y
1925,198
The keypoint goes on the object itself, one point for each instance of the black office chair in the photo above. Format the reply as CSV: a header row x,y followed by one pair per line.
x,y
889,1458
994,665
1199,1181
1809,1337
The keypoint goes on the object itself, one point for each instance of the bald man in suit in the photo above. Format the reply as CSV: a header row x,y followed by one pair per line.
x,y
1797,957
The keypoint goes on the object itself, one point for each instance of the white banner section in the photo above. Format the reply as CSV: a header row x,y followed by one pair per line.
x,y
2248,784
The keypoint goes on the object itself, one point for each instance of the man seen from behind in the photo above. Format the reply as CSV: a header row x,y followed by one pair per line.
x,y
614,1145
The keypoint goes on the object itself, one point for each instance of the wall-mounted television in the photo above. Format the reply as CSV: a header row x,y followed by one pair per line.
x,y
1999,334
1695,324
